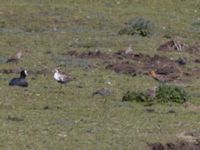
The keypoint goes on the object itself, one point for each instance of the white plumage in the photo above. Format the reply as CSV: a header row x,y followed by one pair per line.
x,y
61,78
129,50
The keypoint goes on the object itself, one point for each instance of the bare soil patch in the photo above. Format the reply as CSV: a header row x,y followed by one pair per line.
x,y
133,64
194,49
165,68
89,54
173,45
162,65
123,68
182,145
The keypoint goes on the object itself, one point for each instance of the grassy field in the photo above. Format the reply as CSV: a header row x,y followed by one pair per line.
x,y
41,118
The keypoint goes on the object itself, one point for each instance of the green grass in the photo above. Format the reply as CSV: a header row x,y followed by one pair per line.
x,y
77,120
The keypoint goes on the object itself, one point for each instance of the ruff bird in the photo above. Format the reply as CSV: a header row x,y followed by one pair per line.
x,y
61,78
151,92
21,81
129,50
15,58
104,92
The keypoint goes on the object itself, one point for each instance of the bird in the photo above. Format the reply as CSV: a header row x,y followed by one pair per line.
x,y
15,58
151,92
129,50
21,81
163,78
104,92
157,77
61,78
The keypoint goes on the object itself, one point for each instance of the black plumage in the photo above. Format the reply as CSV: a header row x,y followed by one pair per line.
x,y
21,81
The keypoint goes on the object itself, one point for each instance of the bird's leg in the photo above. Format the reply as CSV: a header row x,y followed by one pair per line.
x,y
170,106
105,100
60,88
61,91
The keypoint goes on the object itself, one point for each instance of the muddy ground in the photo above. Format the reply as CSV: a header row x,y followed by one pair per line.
x,y
139,63
174,146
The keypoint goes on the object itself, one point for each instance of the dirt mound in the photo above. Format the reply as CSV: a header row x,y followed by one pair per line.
x,y
141,57
195,73
135,57
162,65
194,49
122,55
107,56
174,146
89,54
165,68
10,71
123,68
173,45
133,63
193,137
72,53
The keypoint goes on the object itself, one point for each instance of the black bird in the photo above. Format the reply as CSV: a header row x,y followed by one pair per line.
x,y
21,81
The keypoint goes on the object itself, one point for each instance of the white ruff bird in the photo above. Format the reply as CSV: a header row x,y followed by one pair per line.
x,y
15,58
61,78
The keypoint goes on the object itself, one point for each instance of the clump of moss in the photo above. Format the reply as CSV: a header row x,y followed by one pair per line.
x,y
138,26
164,94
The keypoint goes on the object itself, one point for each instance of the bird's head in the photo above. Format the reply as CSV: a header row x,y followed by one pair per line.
x,y
23,73
55,70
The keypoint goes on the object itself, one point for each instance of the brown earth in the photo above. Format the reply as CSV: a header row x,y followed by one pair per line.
x,y
173,45
123,68
165,68
174,146
134,63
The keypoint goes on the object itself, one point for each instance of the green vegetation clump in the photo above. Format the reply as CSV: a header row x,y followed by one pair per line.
x,y
138,26
169,93
164,94
137,96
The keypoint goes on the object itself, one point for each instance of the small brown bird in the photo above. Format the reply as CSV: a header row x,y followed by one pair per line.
x,y
104,92
129,50
151,92
15,58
